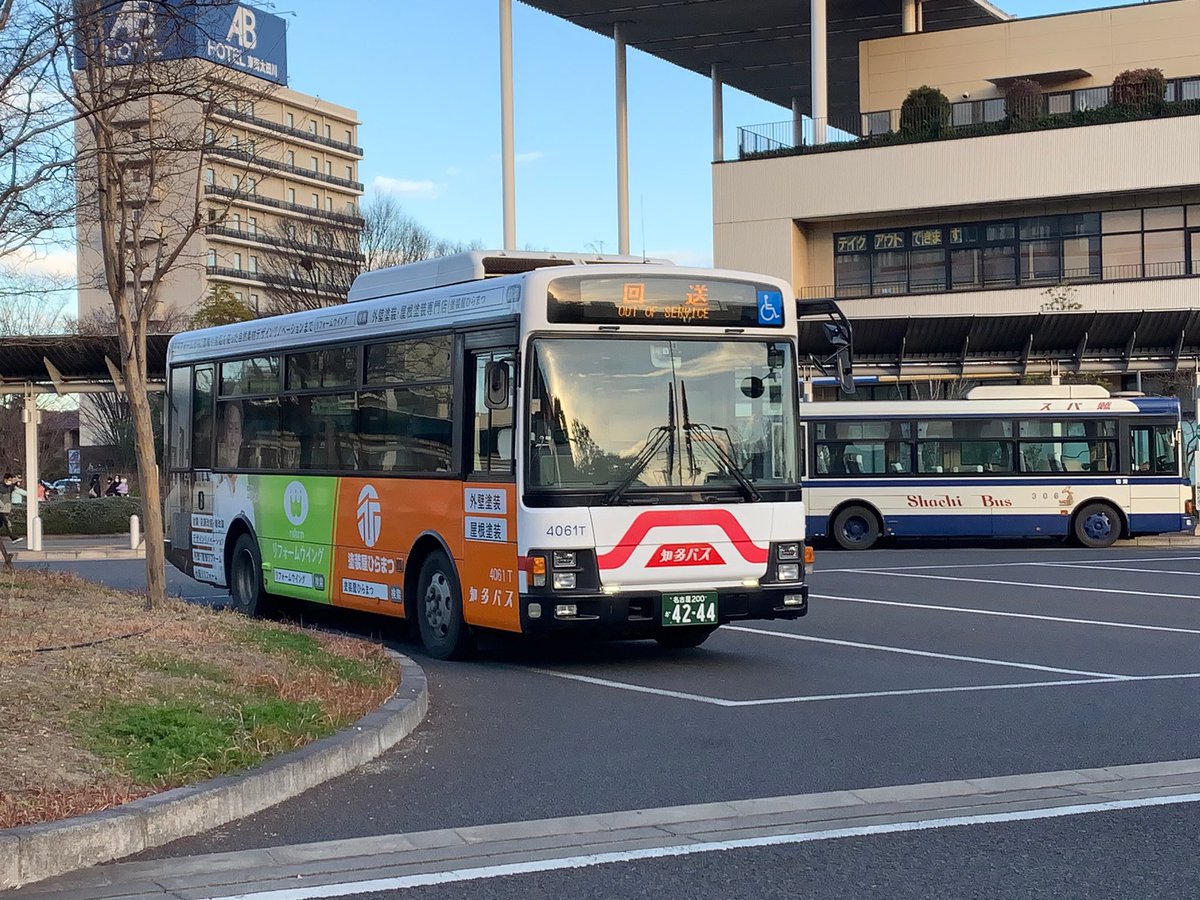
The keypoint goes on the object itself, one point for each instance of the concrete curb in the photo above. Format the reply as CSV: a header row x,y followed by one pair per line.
x,y
1162,540
36,852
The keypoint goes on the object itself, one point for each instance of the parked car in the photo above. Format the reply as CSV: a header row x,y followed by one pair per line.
x,y
67,487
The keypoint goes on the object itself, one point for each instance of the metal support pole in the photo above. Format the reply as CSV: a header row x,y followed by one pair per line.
x,y
622,141
32,418
797,123
908,16
507,152
718,115
820,66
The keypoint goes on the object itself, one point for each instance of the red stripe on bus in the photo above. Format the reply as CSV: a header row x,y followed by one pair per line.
x,y
645,522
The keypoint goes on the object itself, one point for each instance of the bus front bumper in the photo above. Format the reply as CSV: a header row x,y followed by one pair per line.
x,y
639,613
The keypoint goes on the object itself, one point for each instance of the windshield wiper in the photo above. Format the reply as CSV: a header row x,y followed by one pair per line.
x,y
654,441
717,452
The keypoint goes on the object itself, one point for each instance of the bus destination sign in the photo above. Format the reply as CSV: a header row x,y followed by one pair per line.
x,y
664,300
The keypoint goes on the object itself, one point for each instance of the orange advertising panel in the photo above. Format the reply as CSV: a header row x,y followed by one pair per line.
x,y
379,521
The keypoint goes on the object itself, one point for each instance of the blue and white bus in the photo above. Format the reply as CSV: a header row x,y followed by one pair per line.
x,y
1067,461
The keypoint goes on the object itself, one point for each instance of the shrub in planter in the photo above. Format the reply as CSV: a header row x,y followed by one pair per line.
x,y
925,112
106,515
1023,101
1139,90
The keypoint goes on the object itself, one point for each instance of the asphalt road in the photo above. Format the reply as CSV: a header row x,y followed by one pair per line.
x,y
915,665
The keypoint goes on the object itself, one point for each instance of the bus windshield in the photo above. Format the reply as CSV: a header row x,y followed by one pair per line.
x,y
623,414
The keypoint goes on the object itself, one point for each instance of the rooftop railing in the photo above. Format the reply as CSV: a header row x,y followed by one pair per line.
x,y
968,118
215,190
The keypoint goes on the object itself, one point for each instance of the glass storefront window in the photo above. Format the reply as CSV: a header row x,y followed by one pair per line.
x,y
999,265
1081,257
927,270
966,269
1039,260
1122,256
852,272
1164,253
889,272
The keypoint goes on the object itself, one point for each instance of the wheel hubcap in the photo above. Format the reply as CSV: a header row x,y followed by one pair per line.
x,y
438,604
1097,526
855,529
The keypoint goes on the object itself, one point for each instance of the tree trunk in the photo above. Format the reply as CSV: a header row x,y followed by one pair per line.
x,y
147,463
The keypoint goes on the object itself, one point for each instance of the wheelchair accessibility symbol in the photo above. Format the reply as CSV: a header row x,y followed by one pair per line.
x,y
770,308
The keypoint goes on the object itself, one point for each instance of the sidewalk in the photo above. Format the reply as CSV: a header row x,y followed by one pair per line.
x,y
69,548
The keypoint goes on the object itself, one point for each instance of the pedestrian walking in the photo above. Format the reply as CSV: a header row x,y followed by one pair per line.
x,y
10,483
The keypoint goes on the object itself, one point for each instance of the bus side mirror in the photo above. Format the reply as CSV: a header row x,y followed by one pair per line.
x,y
845,369
496,380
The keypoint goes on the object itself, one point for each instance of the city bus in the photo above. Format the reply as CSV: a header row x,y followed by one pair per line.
x,y
525,443
1068,461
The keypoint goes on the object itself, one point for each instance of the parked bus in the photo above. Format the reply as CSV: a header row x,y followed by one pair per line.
x,y
1051,460
606,446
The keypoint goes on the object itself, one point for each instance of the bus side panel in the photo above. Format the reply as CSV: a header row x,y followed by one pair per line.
x,y
378,521
489,566
293,518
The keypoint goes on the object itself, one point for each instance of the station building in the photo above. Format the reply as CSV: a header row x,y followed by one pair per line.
x,y
278,172
1065,245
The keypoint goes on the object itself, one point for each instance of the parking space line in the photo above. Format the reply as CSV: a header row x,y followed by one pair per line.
x,y
1030,584
1115,568
884,570
905,651
1008,615
638,688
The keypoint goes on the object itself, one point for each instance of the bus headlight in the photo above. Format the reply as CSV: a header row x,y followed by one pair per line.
x,y
788,571
564,559
564,581
787,552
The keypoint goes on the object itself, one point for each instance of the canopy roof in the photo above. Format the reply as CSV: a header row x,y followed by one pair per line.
x,y
72,363
762,47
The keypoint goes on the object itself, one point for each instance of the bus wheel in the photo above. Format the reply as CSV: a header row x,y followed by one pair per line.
x,y
684,638
1097,525
444,632
245,577
855,528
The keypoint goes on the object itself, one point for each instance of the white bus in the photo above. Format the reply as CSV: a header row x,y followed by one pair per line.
x,y
1055,460
528,443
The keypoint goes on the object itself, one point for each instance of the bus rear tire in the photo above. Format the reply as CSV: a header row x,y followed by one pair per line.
x,y
246,590
855,528
684,638
1096,525
444,631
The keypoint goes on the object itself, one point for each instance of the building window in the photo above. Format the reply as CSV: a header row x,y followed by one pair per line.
x,y
253,263
327,131
252,225
316,164
291,120
316,201
237,261
237,295
291,195
212,259
329,204
328,167
312,126
251,184
210,176
349,173
350,134
233,141
254,303
291,157
236,222
210,136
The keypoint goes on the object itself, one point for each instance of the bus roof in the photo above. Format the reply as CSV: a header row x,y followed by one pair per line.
x,y
1064,407
474,265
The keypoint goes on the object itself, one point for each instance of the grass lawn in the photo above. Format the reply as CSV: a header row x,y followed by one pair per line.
x,y
103,701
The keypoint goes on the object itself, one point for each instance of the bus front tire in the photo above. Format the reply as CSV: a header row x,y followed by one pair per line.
x,y
1097,525
245,577
855,528
684,638
444,631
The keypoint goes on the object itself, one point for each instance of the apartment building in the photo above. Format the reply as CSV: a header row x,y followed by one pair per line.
x,y
276,170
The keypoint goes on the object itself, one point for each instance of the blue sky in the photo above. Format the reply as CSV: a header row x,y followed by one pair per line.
x,y
424,78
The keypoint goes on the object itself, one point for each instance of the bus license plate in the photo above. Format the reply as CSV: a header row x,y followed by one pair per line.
x,y
696,608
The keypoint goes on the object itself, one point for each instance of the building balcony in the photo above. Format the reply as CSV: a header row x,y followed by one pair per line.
x,y
275,165
253,199
276,281
968,119
288,246
294,133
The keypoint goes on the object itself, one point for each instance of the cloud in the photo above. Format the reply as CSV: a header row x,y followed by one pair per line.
x,y
58,263
533,156
385,185
451,171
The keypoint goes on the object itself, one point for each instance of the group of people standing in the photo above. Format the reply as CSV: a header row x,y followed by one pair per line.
x,y
118,486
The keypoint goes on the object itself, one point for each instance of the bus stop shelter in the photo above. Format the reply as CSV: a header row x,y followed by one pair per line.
x,y
64,365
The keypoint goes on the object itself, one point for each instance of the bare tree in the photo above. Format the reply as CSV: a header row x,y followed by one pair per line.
x,y
318,262
136,122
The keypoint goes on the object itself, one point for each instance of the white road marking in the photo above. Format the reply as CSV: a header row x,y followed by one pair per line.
x,y
1116,568
1030,584
980,660
1009,615
588,860
991,564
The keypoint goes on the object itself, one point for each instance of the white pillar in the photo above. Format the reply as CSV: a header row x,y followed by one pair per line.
x,y
31,416
820,66
622,142
797,122
718,115
908,16
135,532
507,153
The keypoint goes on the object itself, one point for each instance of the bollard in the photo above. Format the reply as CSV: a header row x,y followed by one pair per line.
x,y
35,535
135,536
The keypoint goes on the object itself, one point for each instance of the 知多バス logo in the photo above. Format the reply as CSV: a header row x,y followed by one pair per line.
x,y
370,518
295,503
